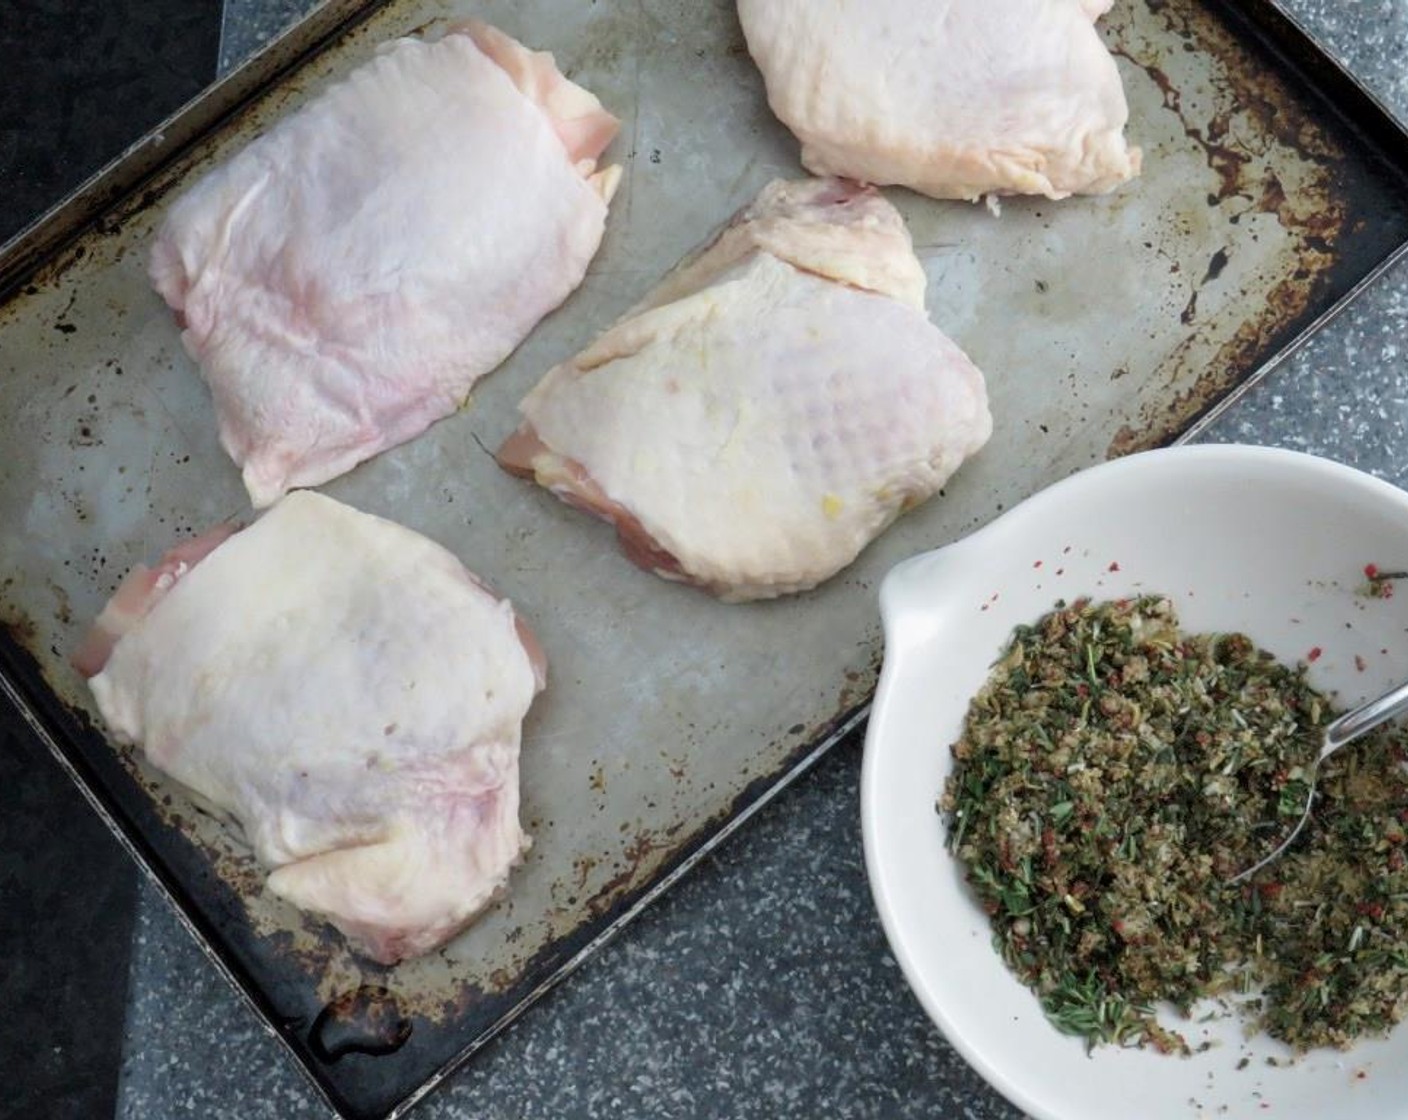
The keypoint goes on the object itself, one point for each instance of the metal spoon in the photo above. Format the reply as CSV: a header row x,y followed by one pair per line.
x,y
1338,733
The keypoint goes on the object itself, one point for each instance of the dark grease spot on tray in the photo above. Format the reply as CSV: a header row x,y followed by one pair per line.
x,y
367,1020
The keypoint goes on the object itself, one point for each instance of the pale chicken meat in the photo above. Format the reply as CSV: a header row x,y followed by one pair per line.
x,y
953,98
346,278
350,695
770,408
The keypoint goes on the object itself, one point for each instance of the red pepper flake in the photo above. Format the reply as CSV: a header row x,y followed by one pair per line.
x,y
1360,663
1114,566
1371,571
1048,845
1037,564
1361,1074
1374,910
1314,654
1270,890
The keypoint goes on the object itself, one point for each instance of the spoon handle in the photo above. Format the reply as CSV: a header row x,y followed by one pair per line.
x,y
1364,718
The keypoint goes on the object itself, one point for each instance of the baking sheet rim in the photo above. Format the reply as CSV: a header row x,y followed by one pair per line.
x,y
45,240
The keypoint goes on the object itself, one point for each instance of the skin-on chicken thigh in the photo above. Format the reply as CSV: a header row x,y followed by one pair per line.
x,y
346,278
954,98
770,408
348,693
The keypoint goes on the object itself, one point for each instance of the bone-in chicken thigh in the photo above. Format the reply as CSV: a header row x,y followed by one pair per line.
x,y
954,98
345,279
771,407
348,693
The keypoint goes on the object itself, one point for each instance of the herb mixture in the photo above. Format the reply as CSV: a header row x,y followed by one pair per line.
x,y
1113,774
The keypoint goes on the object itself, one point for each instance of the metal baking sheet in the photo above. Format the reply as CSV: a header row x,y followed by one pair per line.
x,y
1273,189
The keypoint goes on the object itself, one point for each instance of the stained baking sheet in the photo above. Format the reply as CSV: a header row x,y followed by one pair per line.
x,y
1273,188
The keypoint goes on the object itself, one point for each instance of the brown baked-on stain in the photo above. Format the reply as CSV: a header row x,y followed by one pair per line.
x,y
859,686
1245,348
582,868
642,858
1249,88
19,628
63,608
1266,112
1254,116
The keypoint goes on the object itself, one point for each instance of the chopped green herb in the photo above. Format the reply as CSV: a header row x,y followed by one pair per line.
x,y
1113,774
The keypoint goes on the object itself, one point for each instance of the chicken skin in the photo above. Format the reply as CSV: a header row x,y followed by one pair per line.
x,y
345,279
954,98
770,408
350,695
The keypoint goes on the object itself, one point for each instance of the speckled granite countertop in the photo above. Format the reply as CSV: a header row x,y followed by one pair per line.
x,y
762,986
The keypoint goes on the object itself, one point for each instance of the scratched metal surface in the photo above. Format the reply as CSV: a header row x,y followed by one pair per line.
x,y
1103,325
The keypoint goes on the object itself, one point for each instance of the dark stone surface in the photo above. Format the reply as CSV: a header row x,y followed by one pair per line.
x,y
249,25
79,81
67,898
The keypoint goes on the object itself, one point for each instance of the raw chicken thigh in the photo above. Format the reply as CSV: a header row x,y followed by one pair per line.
x,y
351,695
954,98
770,408
347,277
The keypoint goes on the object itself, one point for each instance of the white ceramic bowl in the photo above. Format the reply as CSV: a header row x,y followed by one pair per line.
x,y
1272,543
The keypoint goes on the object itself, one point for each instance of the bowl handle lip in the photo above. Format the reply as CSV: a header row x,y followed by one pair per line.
x,y
910,579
